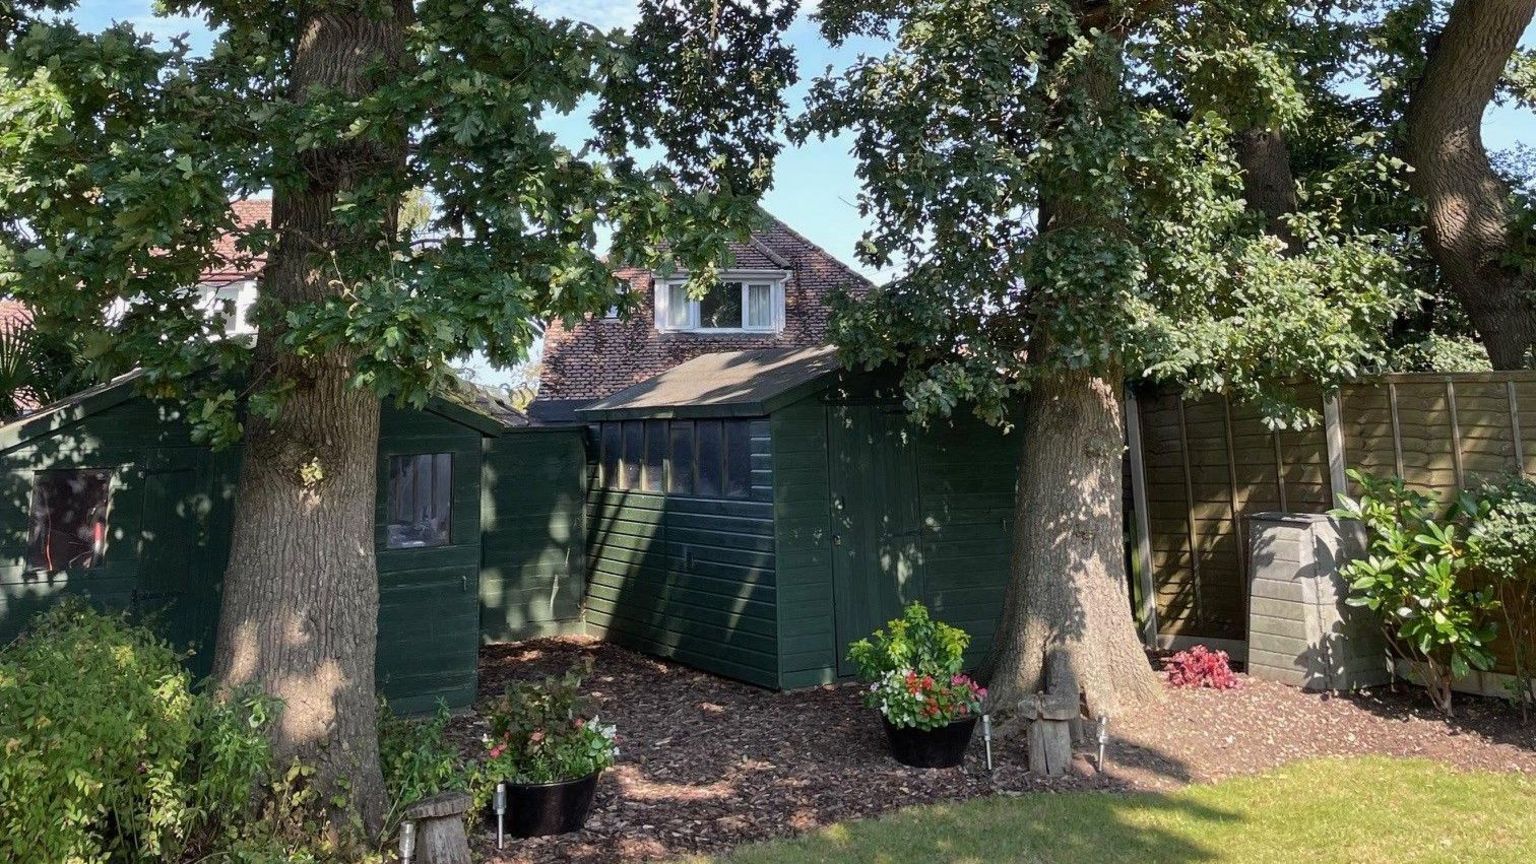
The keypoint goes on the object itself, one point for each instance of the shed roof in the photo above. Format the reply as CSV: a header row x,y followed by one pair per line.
x,y
724,384
477,415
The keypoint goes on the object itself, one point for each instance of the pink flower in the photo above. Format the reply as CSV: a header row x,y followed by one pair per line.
x,y
537,736
498,750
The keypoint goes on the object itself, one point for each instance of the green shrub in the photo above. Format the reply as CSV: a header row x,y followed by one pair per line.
x,y
108,754
418,759
1502,547
913,642
1414,578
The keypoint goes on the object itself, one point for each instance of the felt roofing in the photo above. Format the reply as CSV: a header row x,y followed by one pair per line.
x,y
723,384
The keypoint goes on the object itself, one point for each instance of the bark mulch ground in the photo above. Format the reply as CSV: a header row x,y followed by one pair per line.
x,y
708,764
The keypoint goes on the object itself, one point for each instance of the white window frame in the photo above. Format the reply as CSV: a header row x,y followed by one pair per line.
x,y
775,279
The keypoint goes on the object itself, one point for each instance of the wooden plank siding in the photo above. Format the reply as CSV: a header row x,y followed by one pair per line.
x,y
967,472
127,438
688,578
965,476
808,648
533,532
428,621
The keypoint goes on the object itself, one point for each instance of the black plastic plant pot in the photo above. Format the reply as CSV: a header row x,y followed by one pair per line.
x,y
547,808
943,747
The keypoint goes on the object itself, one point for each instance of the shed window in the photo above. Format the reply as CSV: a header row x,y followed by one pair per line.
x,y
655,455
702,458
68,526
680,479
738,459
709,465
612,446
420,499
634,453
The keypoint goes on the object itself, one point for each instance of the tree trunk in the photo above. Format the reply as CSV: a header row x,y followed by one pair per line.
x,y
1068,591
1269,187
300,605
1468,217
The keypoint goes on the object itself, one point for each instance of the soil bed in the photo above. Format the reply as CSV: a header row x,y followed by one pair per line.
x,y
708,764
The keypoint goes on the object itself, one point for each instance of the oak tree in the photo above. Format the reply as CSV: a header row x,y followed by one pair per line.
x,y
1059,189
119,158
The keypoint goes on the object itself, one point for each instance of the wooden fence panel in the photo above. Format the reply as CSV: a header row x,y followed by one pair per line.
x,y
1210,464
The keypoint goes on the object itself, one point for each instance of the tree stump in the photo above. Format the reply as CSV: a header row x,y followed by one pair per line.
x,y
440,837
1050,717
1054,717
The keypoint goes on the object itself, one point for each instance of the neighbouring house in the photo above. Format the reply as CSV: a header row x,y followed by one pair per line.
x,y
773,296
106,495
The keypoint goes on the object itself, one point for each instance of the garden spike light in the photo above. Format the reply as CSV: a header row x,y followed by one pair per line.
x,y
407,841
1103,739
501,811
986,737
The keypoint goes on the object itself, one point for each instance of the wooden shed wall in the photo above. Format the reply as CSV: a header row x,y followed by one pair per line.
x,y
429,620
533,521
427,632
685,577
127,438
965,487
966,473
808,648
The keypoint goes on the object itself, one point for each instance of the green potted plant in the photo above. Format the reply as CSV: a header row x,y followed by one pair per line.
x,y
928,707
549,750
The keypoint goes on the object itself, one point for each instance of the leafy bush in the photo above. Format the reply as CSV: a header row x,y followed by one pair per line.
x,y
108,754
1412,578
908,699
1199,666
418,759
1502,547
913,642
544,732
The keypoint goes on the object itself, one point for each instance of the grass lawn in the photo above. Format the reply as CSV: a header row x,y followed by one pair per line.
x,y
1351,811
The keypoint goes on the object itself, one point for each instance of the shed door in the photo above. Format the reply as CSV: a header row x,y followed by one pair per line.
x,y
875,522
172,531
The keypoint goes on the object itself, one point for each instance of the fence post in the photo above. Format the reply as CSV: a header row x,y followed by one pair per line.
x,y
1143,520
1333,429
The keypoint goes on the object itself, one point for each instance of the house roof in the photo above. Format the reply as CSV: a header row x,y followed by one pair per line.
x,y
556,413
250,214
725,383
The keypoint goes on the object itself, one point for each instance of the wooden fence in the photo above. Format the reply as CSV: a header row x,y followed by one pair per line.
x,y
1200,467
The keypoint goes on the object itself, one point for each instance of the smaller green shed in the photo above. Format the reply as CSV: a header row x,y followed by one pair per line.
x,y
753,512
106,495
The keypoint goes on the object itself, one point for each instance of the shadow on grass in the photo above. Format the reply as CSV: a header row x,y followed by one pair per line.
x,y
1050,829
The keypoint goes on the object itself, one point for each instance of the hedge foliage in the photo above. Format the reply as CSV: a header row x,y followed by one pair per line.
x,y
109,754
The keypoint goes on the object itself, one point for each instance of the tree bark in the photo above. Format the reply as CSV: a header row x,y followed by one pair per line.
x,y
1068,591
1468,213
300,605
1269,186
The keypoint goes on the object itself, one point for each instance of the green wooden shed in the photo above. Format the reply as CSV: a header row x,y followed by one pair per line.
x,y
106,495
753,512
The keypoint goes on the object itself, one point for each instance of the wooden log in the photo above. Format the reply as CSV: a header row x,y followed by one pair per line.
x,y
440,837
1050,747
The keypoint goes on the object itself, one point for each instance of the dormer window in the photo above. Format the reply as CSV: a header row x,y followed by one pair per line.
x,y
741,302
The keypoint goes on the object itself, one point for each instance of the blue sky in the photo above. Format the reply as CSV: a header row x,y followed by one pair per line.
x,y
814,186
